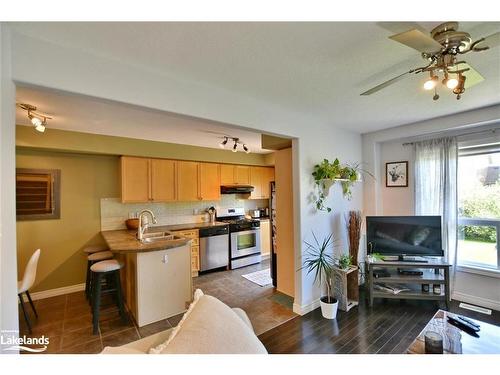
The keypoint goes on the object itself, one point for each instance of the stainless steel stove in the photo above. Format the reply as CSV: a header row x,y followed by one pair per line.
x,y
244,237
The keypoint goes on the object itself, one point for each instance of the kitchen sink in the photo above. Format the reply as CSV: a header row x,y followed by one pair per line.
x,y
159,236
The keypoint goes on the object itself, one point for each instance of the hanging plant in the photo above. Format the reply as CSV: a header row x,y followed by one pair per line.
x,y
327,173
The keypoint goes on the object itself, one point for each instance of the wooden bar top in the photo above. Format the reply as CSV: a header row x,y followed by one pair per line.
x,y
125,241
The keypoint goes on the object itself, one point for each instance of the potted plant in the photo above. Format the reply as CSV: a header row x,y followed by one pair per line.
x,y
320,262
327,173
344,262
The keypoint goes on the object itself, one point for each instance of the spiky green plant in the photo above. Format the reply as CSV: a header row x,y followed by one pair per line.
x,y
317,260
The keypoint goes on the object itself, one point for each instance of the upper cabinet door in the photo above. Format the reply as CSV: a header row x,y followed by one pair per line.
x,y
209,181
135,179
163,180
267,178
188,181
226,174
256,182
241,175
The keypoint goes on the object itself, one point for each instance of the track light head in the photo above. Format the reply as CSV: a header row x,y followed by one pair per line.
x,y
235,146
223,143
245,148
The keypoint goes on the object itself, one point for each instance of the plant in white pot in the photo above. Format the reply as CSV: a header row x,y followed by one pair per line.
x,y
320,261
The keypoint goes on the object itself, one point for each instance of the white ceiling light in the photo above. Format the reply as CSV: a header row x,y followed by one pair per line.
x,y
38,120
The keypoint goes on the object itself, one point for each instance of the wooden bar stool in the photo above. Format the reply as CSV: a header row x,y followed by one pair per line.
x,y
91,259
109,269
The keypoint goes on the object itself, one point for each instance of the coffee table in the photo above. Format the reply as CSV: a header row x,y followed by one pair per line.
x,y
456,341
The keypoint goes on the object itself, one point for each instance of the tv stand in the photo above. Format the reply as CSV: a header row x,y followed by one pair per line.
x,y
434,272
402,258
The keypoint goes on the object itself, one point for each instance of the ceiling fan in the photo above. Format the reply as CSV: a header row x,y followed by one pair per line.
x,y
442,50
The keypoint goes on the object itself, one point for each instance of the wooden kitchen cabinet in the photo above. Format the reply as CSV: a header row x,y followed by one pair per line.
x,y
135,179
265,237
235,174
256,181
241,175
188,181
267,178
148,180
260,178
227,174
209,181
163,180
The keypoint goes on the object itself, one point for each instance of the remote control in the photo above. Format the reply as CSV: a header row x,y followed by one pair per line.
x,y
463,318
463,325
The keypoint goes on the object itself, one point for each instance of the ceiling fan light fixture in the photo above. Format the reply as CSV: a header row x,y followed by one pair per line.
x,y
430,83
451,83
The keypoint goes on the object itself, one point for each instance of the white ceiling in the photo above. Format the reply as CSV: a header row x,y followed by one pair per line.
x,y
314,68
97,116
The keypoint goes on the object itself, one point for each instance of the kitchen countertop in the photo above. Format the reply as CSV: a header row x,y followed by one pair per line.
x,y
124,241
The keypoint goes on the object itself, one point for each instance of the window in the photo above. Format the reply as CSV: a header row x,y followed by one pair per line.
x,y
479,206
37,194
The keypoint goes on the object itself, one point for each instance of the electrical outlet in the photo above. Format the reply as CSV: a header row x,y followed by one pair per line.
x,y
196,211
165,259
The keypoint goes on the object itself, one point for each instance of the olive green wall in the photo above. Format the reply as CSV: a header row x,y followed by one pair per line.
x,y
85,179
62,140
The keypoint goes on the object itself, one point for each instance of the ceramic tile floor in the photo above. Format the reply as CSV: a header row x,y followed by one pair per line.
x,y
236,291
67,321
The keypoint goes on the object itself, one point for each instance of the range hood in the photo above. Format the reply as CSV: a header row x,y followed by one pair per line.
x,y
236,189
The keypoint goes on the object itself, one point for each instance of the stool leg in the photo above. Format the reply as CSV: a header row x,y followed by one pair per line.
x,y
87,281
96,300
26,318
31,303
119,295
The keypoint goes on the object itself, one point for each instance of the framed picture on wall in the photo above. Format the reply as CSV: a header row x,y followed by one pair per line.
x,y
396,174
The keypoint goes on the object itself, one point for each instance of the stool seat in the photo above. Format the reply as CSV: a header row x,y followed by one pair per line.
x,y
106,266
94,249
102,255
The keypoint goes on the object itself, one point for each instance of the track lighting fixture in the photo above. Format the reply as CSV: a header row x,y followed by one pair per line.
x,y
236,141
223,143
38,120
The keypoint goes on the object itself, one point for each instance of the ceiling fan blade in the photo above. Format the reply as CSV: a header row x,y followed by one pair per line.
x,y
472,76
491,41
385,84
418,40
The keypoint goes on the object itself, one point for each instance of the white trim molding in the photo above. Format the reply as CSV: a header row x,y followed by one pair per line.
x,y
57,292
304,309
478,301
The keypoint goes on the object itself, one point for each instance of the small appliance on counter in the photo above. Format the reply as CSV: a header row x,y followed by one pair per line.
x,y
211,214
255,214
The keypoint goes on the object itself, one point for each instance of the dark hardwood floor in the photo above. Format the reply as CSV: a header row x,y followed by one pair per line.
x,y
390,326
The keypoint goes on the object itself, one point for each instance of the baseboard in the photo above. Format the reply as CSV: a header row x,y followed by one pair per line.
x,y
478,301
57,292
304,309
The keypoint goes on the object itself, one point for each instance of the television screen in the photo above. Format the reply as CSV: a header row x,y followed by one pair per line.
x,y
404,235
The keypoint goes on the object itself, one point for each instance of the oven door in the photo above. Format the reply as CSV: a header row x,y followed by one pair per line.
x,y
245,243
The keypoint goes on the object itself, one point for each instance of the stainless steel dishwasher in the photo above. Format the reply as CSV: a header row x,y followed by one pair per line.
x,y
214,247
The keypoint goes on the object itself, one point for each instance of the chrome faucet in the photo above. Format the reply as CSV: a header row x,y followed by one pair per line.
x,y
143,226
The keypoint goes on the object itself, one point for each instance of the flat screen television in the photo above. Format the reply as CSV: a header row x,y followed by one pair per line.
x,y
404,235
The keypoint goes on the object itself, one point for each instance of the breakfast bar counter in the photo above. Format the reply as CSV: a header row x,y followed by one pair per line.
x,y
156,277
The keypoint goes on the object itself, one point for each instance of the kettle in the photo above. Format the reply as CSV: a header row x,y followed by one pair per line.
x,y
211,213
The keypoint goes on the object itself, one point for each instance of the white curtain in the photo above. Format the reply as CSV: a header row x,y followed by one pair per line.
x,y
436,189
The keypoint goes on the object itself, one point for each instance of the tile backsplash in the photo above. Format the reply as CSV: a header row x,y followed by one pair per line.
x,y
114,212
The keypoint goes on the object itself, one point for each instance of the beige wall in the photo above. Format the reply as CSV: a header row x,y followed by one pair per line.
x,y
284,219
62,140
85,179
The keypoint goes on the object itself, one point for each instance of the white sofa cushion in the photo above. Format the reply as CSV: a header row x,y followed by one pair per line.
x,y
211,327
